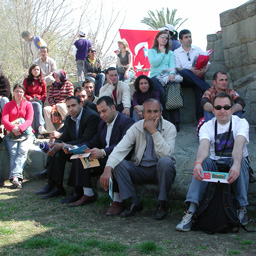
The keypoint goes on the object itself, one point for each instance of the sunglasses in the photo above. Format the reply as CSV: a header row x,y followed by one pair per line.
x,y
164,37
226,107
188,57
92,51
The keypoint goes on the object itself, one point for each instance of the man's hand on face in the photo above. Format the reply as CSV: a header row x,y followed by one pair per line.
x,y
151,125
109,80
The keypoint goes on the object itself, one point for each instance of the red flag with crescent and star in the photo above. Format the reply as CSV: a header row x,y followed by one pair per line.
x,y
140,41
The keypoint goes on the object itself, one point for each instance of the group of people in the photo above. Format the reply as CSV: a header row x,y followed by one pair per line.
x,y
130,151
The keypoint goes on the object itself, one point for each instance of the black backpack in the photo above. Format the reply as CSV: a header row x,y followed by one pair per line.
x,y
217,212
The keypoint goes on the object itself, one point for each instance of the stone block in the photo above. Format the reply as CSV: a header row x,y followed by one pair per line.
x,y
211,38
230,36
242,12
218,52
252,51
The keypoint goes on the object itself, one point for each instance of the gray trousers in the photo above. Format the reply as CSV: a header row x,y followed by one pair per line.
x,y
127,174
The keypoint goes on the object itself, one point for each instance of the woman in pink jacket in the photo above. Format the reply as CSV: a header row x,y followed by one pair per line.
x,y
17,117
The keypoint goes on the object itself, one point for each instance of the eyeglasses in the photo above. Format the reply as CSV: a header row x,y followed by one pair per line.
x,y
164,37
188,57
226,107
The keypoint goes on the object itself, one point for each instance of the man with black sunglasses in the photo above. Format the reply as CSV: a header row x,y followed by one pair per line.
x,y
184,58
220,81
226,137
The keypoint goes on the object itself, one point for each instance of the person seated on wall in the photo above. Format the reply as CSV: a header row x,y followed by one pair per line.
x,y
162,60
118,91
220,81
152,140
35,92
184,58
92,67
224,127
47,65
80,126
89,86
144,90
59,91
124,62
111,130
17,118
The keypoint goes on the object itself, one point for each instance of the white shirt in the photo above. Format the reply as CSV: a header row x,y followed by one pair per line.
x,y
239,127
184,59
109,130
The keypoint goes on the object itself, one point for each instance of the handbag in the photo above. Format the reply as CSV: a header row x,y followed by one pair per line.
x,y
121,70
174,96
56,117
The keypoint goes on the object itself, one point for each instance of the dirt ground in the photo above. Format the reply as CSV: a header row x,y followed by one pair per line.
x,y
90,222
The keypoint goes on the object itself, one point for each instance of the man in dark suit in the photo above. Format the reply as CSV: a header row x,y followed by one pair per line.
x,y
111,130
80,126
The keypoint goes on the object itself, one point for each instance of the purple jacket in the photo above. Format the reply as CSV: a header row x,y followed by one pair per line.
x,y
82,46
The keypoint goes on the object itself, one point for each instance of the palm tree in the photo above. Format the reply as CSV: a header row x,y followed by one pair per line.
x,y
159,19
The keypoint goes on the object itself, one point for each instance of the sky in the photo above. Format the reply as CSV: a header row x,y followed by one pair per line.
x,y
203,16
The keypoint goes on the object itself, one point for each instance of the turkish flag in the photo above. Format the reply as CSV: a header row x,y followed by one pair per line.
x,y
140,41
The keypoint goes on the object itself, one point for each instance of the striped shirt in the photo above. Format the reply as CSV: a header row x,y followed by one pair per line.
x,y
59,95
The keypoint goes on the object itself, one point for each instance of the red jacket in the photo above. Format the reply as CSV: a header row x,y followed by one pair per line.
x,y
35,90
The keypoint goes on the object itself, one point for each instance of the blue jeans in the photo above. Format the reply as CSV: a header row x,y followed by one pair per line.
x,y
38,115
99,79
197,188
209,115
18,151
131,76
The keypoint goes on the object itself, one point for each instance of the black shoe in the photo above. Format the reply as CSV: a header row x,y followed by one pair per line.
x,y
41,174
1,184
45,190
71,198
177,126
161,212
133,209
56,191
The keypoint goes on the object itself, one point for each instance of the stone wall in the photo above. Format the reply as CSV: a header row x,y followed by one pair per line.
x,y
235,53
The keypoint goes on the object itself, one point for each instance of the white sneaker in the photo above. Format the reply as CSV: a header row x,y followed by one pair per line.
x,y
242,216
186,223
42,130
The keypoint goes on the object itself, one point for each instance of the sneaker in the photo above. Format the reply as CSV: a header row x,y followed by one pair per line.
x,y
16,182
186,223
40,136
42,130
242,216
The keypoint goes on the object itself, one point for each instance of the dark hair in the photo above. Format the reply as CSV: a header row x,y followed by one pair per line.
x,y
91,48
87,81
79,89
183,32
137,83
75,98
109,101
216,75
44,47
153,100
19,86
30,78
155,44
222,95
25,34
111,69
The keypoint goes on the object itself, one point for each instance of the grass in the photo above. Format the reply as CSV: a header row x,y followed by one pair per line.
x,y
32,226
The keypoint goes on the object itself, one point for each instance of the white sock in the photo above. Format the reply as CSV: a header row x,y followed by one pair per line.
x,y
117,197
88,191
192,207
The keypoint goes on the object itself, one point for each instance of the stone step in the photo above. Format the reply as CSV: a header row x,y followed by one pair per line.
x,y
185,151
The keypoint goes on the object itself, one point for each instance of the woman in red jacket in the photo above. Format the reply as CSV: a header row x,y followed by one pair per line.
x,y
17,118
35,92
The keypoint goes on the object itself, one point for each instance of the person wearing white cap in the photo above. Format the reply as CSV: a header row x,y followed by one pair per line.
x,y
173,36
80,51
